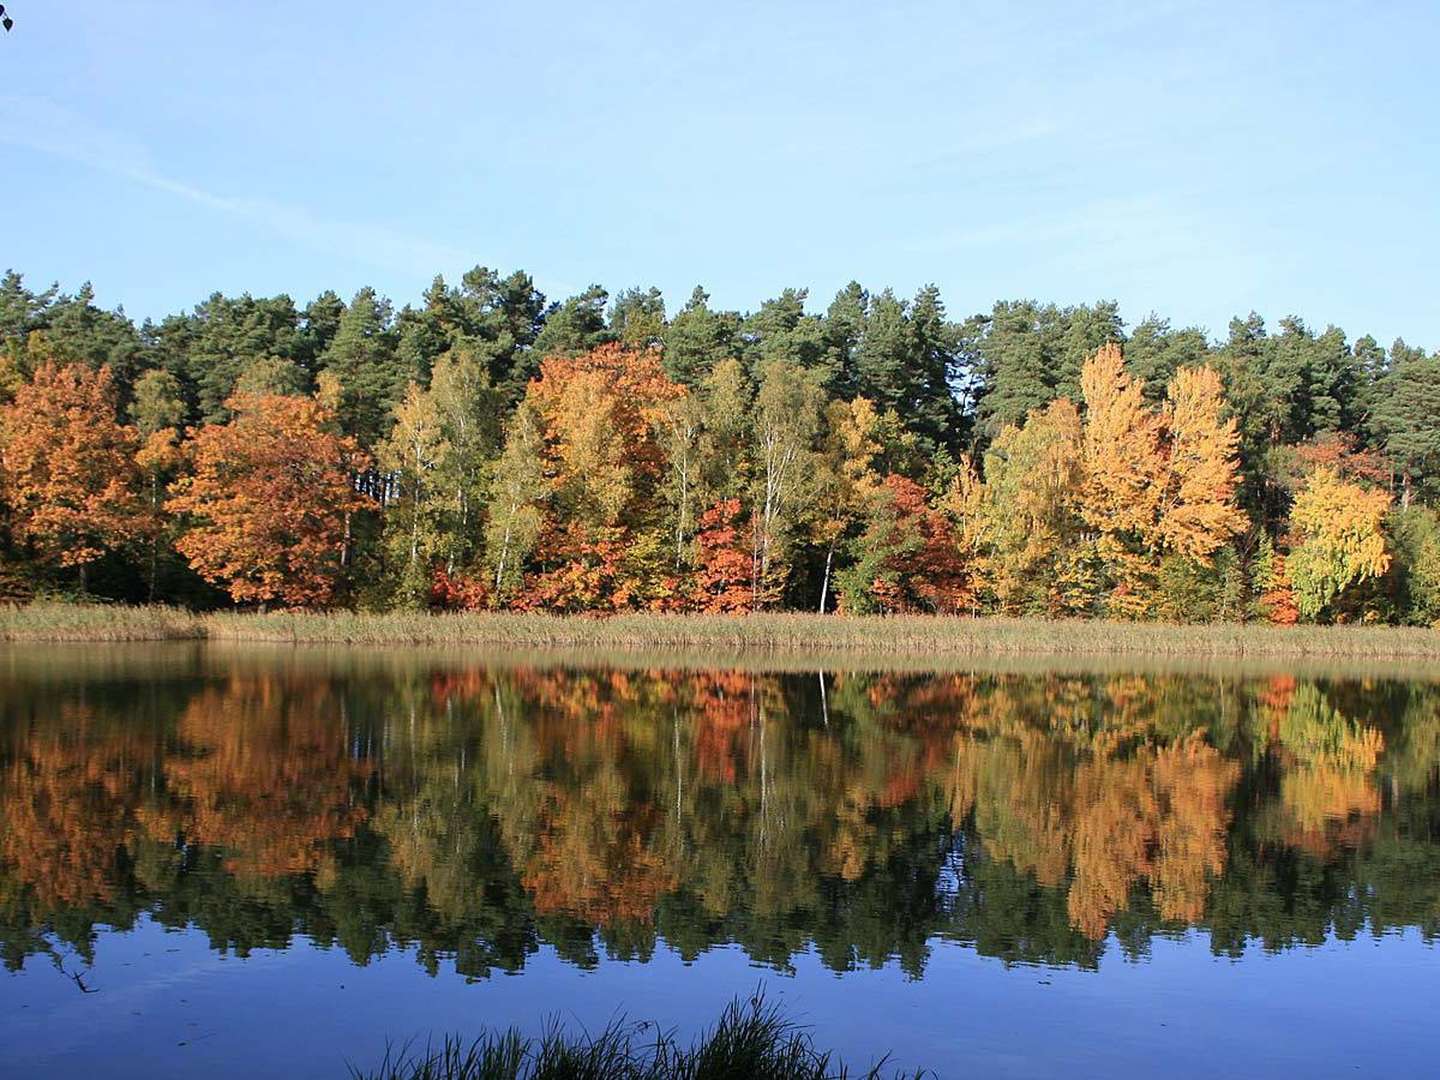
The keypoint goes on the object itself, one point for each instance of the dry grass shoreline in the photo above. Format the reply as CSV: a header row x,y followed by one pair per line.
x,y
911,637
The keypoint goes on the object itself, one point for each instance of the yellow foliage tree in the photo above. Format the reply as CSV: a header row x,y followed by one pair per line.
x,y
1197,512
845,477
1156,482
1033,476
1341,527
1120,448
1124,467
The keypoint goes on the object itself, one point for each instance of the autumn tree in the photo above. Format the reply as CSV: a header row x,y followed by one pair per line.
x,y
722,576
1341,540
1159,489
517,495
908,558
845,478
269,501
67,467
1123,468
1038,561
411,456
787,420
1274,599
604,414
1197,511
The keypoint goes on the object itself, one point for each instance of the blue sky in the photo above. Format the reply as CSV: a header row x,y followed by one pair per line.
x,y
1196,159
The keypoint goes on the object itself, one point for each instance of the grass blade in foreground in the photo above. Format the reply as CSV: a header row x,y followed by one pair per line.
x,y
752,1041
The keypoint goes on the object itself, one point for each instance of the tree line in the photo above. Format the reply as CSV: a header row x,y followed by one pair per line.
x,y
487,448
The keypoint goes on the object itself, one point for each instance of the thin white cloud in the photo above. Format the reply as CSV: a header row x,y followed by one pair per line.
x,y
45,127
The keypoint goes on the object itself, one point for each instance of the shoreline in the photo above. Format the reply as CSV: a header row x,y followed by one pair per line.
x,y
910,637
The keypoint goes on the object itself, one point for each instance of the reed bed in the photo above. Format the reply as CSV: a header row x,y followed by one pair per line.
x,y
910,636
752,1041
59,621
913,636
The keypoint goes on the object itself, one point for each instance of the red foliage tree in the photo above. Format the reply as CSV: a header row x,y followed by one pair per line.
x,y
456,592
910,555
723,563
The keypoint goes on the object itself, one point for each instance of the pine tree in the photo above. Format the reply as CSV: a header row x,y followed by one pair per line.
x,y
698,338
362,359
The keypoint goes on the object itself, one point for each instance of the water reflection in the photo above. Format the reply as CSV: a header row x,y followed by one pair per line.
x,y
474,813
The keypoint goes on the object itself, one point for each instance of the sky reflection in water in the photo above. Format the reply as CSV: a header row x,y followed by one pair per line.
x,y
234,861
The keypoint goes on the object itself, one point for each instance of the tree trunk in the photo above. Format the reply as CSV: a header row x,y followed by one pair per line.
x,y
825,581
155,539
504,555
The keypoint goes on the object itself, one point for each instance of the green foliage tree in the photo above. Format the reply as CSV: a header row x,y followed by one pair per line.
x,y
1406,417
517,496
576,326
698,338
411,456
787,421
363,360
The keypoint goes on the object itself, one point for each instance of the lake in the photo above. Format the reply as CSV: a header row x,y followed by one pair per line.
x,y
237,861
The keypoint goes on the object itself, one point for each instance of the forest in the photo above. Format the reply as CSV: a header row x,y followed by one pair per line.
x,y
488,448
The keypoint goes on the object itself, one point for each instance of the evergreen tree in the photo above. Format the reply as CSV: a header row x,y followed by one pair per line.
x,y
1017,362
1154,352
576,326
363,360
214,344
885,355
1335,381
931,408
781,330
21,310
1406,416
698,338
637,318
319,323
844,330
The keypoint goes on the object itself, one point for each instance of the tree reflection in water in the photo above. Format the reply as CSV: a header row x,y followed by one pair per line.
x,y
474,814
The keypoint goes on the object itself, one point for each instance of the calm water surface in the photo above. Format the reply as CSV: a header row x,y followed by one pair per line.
x,y
231,862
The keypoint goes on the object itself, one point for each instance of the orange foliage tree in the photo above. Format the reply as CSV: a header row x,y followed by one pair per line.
x,y
602,415
270,500
723,563
67,471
